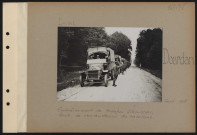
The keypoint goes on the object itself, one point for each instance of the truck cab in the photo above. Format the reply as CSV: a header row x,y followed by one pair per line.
x,y
100,64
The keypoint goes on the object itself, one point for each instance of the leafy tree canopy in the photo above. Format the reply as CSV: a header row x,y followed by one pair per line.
x,y
73,43
149,49
120,43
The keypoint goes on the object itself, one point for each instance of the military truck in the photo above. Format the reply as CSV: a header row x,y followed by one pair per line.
x,y
100,66
126,64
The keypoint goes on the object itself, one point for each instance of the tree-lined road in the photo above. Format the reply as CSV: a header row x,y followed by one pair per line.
x,y
135,85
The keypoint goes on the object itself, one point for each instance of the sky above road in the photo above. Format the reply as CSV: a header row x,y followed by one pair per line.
x,y
131,33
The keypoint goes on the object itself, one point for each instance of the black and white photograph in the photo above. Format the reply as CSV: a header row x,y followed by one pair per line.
x,y
109,64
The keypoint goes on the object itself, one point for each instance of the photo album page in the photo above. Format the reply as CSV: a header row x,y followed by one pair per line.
x,y
99,67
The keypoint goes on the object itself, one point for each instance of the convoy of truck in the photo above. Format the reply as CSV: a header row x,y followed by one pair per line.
x,y
101,63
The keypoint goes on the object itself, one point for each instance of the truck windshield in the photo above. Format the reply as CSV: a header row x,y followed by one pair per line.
x,y
98,55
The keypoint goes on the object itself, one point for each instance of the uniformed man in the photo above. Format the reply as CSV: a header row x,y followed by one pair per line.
x,y
115,76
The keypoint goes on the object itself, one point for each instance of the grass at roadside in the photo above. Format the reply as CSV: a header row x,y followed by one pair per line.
x,y
157,73
70,79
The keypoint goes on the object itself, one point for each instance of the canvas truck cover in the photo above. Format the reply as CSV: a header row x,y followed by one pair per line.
x,y
97,49
103,50
112,55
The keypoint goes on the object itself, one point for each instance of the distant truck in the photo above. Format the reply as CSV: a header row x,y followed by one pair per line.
x,y
126,64
100,66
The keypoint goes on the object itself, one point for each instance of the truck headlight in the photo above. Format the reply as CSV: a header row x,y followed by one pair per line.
x,y
105,66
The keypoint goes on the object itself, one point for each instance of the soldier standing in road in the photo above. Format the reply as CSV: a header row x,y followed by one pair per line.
x,y
115,76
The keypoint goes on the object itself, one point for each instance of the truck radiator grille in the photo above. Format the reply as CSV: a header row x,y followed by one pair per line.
x,y
93,74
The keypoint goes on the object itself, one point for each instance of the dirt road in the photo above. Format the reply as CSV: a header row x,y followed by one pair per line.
x,y
134,86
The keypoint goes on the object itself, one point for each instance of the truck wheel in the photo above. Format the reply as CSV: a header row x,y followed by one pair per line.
x,y
105,80
81,81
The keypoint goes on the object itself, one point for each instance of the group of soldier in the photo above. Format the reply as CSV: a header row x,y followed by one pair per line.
x,y
121,65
